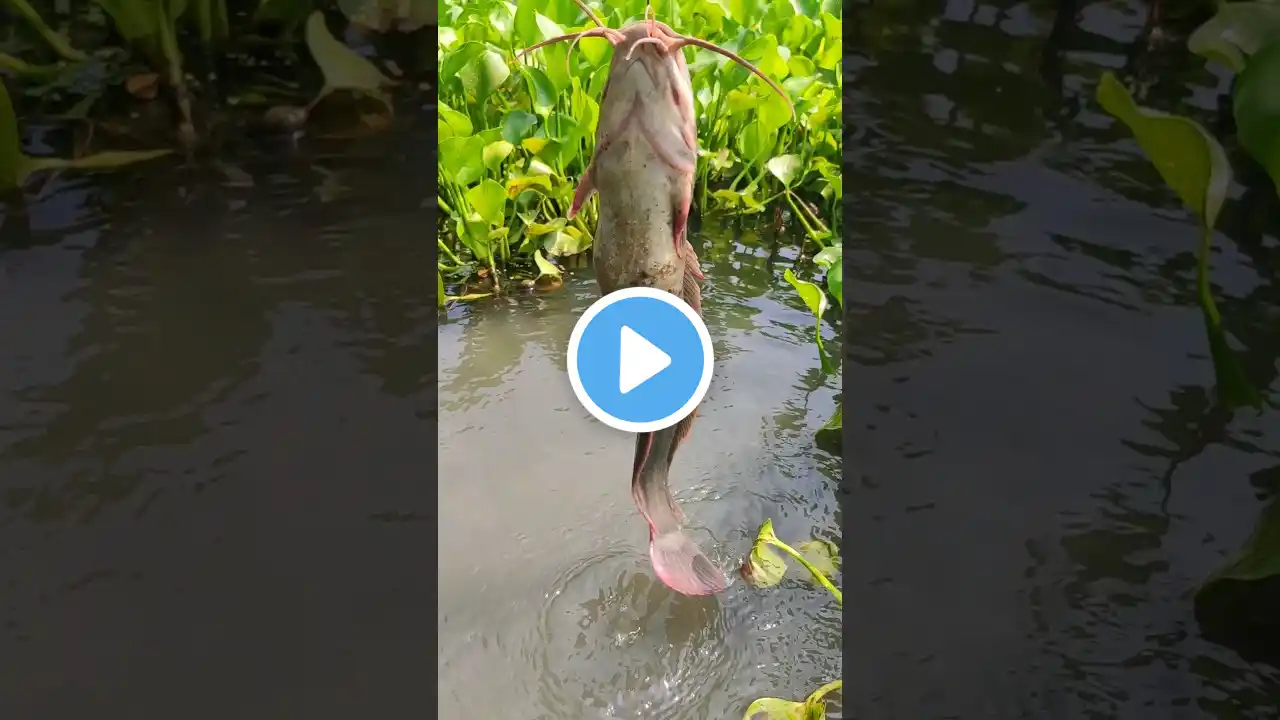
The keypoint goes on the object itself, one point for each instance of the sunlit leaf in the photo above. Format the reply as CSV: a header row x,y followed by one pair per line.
x,y
813,297
545,266
496,152
343,68
1236,31
822,554
764,566
775,709
785,168
565,242
1188,158
489,200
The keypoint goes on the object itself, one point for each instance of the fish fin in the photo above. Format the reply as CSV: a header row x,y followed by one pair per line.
x,y
683,197
580,196
681,565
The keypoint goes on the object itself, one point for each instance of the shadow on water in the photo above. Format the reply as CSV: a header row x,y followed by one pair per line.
x,y
1035,427
552,611
215,436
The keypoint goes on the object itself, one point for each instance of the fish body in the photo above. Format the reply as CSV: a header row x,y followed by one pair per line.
x,y
643,169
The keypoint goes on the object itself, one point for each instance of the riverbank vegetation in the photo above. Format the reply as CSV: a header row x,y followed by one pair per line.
x,y
1236,603
516,134
179,75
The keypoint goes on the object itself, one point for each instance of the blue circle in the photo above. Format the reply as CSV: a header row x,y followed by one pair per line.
x,y
663,325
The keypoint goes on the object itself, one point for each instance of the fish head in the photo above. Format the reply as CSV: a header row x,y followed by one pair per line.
x,y
647,55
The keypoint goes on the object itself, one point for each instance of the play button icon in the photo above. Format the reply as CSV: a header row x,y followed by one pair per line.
x,y
640,359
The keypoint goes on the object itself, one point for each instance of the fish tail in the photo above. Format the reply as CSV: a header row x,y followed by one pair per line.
x,y
682,566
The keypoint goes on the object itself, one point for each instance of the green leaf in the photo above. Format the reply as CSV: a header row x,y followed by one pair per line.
x,y
830,436
496,152
517,125
525,26
461,159
1188,158
108,160
776,709
816,299
544,91
835,282
784,167
1235,32
459,58
15,167
458,123
484,74
439,289
342,67
545,267
11,159
1240,598
764,566
1257,109
812,295
489,200
519,183
59,43
565,243
822,554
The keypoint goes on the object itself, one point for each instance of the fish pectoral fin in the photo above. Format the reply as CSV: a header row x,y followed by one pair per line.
x,y
582,194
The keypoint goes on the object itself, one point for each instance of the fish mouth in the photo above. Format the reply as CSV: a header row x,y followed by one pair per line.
x,y
652,32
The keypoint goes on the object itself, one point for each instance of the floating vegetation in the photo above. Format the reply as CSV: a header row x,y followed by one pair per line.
x,y
765,568
516,134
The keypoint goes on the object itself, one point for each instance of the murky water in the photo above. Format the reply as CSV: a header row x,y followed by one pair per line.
x,y
217,437
548,606
1028,366
217,432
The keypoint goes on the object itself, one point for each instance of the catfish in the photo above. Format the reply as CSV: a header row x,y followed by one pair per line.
x,y
643,169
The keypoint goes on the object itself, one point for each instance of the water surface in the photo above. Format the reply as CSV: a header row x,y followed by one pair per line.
x,y
548,606
1041,482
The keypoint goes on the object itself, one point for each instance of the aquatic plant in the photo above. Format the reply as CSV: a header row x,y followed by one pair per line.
x,y
765,568
516,135
1245,38
16,167
150,62
831,260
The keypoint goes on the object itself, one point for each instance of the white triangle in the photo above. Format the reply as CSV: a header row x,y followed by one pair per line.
x,y
638,360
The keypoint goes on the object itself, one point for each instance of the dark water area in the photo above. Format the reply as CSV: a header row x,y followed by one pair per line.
x,y
217,434
1040,478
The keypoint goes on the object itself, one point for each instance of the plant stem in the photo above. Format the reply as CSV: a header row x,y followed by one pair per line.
x,y
440,243
816,695
1203,289
817,574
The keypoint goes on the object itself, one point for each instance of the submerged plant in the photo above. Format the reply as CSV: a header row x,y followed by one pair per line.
x,y
765,568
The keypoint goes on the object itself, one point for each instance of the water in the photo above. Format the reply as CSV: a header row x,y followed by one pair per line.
x,y
217,436
217,429
1029,371
548,606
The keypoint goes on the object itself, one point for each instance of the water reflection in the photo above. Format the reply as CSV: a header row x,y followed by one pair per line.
x,y
1033,374
212,400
